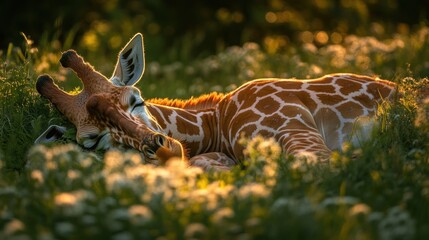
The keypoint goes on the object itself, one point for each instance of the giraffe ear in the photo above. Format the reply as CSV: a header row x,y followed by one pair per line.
x,y
130,65
53,133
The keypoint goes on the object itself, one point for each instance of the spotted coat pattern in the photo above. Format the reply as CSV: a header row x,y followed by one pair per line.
x,y
306,117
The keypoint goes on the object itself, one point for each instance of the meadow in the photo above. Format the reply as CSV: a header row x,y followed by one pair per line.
x,y
61,191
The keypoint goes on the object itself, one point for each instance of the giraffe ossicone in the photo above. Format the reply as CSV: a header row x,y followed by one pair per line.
x,y
306,117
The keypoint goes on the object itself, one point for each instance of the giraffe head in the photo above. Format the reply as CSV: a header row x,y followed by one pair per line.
x,y
111,112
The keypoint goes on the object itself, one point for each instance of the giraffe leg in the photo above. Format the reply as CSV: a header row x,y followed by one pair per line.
x,y
213,161
307,143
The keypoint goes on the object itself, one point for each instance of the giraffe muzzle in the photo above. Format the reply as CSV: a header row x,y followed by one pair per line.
x,y
165,148
171,149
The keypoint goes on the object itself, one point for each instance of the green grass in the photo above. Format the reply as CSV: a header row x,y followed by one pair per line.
x,y
62,192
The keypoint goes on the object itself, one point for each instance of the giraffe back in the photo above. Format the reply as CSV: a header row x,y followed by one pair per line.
x,y
278,108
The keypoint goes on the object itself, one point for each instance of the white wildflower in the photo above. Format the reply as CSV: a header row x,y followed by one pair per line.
x,y
196,231
253,190
269,148
87,161
298,206
45,235
315,70
51,165
154,68
375,217
253,222
37,176
176,165
88,219
199,196
220,190
137,172
113,160
310,48
13,227
73,203
340,200
222,215
8,190
73,174
261,149
398,224
120,213
117,181
139,214
122,236
64,228
65,199
359,209
39,155
280,204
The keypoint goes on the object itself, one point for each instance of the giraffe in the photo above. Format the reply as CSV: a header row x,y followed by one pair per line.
x,y
109,113
308,118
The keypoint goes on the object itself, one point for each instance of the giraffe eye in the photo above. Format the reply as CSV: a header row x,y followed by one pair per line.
x,y
135,102
132,100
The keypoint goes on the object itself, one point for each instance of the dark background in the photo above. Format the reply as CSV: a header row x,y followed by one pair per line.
x,y
200,27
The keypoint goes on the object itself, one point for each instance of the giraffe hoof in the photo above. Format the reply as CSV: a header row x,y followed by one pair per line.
x,y
66,57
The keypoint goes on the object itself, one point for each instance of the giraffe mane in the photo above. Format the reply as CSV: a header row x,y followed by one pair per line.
x,y
194,103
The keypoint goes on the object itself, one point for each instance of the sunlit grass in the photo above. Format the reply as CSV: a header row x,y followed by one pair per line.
x,y
379,190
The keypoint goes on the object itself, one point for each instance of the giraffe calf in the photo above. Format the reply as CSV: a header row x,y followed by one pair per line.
x,y
307,118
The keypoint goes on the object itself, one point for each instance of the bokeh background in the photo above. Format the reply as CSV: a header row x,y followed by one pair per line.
x,y
188,29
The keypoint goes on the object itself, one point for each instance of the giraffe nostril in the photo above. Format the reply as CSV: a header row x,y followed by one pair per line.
x,y
149,153
160,140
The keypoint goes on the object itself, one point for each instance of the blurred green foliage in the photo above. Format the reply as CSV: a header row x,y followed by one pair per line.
x,y
187,29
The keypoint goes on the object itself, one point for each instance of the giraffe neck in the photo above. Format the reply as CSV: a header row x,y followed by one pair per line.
x,y
196,129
